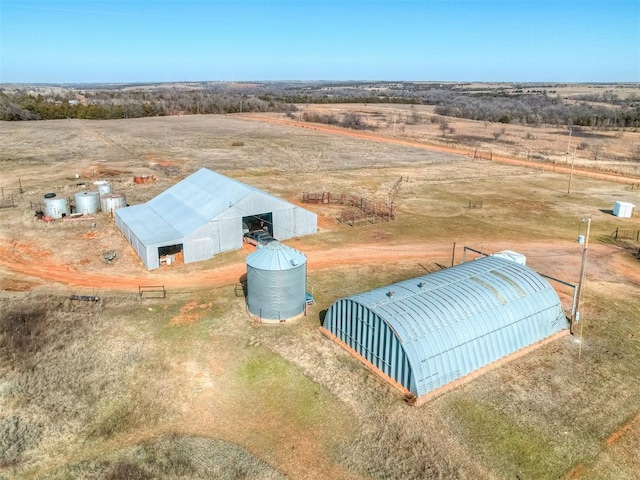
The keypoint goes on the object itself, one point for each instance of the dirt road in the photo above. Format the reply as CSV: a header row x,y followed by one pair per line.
x,y
28,262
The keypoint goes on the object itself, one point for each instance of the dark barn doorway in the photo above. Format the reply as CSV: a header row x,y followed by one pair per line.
x,y
262,221
171,254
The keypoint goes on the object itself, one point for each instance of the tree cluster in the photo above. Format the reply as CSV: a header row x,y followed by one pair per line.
x,y
348,120
538,110
535,107
111,104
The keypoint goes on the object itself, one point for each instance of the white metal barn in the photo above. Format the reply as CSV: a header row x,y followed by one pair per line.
x,y
205,214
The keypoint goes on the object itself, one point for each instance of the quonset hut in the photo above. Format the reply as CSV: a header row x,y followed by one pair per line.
x,y
424,333
205,214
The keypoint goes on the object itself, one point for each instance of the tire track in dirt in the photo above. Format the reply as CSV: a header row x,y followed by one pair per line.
x,y
30,261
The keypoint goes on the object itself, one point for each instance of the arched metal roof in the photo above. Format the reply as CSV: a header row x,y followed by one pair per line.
x,y
455,321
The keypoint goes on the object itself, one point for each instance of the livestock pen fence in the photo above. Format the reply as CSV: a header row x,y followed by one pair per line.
x,y
626,234
365,211
152,291
7,195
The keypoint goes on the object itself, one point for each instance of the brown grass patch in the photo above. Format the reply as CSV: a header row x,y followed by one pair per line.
x,y
190,313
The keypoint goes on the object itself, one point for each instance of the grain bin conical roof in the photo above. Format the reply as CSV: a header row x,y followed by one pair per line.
x,y
276,256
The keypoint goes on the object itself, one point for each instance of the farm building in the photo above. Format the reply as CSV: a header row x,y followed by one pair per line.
x,y
205,214
276,282
424,333
623,209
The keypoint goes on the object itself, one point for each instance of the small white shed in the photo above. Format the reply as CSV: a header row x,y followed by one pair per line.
x,y
511,255
623,209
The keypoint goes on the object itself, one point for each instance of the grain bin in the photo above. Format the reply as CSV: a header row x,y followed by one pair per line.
x,y
56,207
104,187
276,282
87,203
110,202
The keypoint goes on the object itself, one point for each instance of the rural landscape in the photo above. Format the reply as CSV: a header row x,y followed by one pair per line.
x,y
100,381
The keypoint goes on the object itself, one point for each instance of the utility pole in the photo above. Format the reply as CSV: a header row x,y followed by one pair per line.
x,y
571,173
584,241
453,254
569,144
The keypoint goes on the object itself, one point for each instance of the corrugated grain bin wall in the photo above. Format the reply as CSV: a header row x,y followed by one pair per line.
x,y
276,282
110,202
87,202
104,187
56,207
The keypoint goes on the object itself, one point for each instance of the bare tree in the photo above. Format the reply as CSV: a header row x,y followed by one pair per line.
x,y
443,125
596,149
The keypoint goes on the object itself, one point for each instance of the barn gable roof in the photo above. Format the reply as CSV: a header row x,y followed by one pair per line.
x,y
200,198
189,204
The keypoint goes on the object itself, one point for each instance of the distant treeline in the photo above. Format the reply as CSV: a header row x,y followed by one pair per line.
x,y
520,105
106,105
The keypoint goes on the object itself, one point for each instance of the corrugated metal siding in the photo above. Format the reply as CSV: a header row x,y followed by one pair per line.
x,y
276,282
276,294
229,234
204,213
370,336
254,203
453,322
294,222
148,255
198,249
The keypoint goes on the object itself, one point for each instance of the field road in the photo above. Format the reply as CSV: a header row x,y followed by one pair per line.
x,y
456,151
27,261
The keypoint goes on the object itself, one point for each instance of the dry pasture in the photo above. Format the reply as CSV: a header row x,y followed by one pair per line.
x,y
149,388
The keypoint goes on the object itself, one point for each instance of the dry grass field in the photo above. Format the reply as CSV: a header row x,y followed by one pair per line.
x,y
189,387
614,150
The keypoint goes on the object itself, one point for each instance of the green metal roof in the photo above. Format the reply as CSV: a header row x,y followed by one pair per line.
x,y
455,321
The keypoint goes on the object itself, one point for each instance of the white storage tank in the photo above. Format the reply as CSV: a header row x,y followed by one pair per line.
x,y
511,255
110,202
104,187
276,282
623,209
55,206
87,203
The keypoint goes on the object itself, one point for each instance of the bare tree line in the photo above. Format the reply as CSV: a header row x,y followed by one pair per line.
x,y
531,107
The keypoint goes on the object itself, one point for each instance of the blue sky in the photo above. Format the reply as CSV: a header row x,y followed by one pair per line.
x,y
68,41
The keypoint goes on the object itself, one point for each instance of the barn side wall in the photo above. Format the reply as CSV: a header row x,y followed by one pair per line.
x,y
148,255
